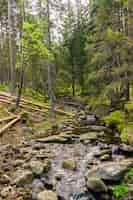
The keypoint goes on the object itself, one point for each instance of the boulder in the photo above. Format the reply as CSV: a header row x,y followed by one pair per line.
x,y
37,187
111,171
69,164
22,177
47,195
95,184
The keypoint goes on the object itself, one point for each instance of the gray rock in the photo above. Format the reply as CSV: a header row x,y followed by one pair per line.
x,y
112,171
96,184
37,187
47,195
22,177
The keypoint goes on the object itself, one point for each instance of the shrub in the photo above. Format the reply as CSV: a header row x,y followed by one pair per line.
x,y
127,133
120,191
115,120
130,172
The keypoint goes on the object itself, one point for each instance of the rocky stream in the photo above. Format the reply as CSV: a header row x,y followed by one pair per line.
x,y
80,160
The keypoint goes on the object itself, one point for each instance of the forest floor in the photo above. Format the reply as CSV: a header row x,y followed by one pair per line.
x,y
73,156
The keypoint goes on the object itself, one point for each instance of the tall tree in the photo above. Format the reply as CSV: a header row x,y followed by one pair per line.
x,y
11,23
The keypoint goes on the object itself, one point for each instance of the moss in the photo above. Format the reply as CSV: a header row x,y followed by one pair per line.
x,y
127,133
116,119
69,164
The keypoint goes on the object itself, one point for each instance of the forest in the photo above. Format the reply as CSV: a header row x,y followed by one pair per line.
x,y
66,99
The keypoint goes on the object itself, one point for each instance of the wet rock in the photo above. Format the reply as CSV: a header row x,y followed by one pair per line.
x,y
22,177
37,187
112,171
95,184
47,195
69,164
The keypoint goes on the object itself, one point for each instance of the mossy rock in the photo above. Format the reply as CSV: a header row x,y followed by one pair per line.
x,y
69,164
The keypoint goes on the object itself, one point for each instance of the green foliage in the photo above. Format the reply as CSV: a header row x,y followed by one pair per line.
x,y
116,119
120,191
33,40
130,173
4,88
127,133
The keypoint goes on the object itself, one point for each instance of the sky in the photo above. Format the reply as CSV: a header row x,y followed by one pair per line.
x,y
54,14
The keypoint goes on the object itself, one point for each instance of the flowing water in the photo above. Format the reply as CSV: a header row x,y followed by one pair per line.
x,y
71,184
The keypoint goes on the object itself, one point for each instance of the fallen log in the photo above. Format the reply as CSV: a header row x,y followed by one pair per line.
x,y
24,101
9,125
7,119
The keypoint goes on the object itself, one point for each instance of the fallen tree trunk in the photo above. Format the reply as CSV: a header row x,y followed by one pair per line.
x,y
24,101
7,119
9,125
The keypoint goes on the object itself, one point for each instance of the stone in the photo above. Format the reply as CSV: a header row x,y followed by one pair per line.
x,y
89,136
111,171
22,177
4,179
37,187
53,139
47,195
127,149
37,167
69,164
105,157
6,191
95,184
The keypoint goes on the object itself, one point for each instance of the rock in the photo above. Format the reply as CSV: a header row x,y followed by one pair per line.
x,y
47,195
127,149
105,157
112,171
89,136
69,164
22,177
37,167
95,184
37,187
87,120
53,139
5,191
46,165
89,128
4,179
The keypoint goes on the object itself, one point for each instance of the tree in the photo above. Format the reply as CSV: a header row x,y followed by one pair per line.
x,y
11,22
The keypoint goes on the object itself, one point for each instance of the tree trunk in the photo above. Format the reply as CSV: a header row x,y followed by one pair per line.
x,y
50,81
11,45
20,87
